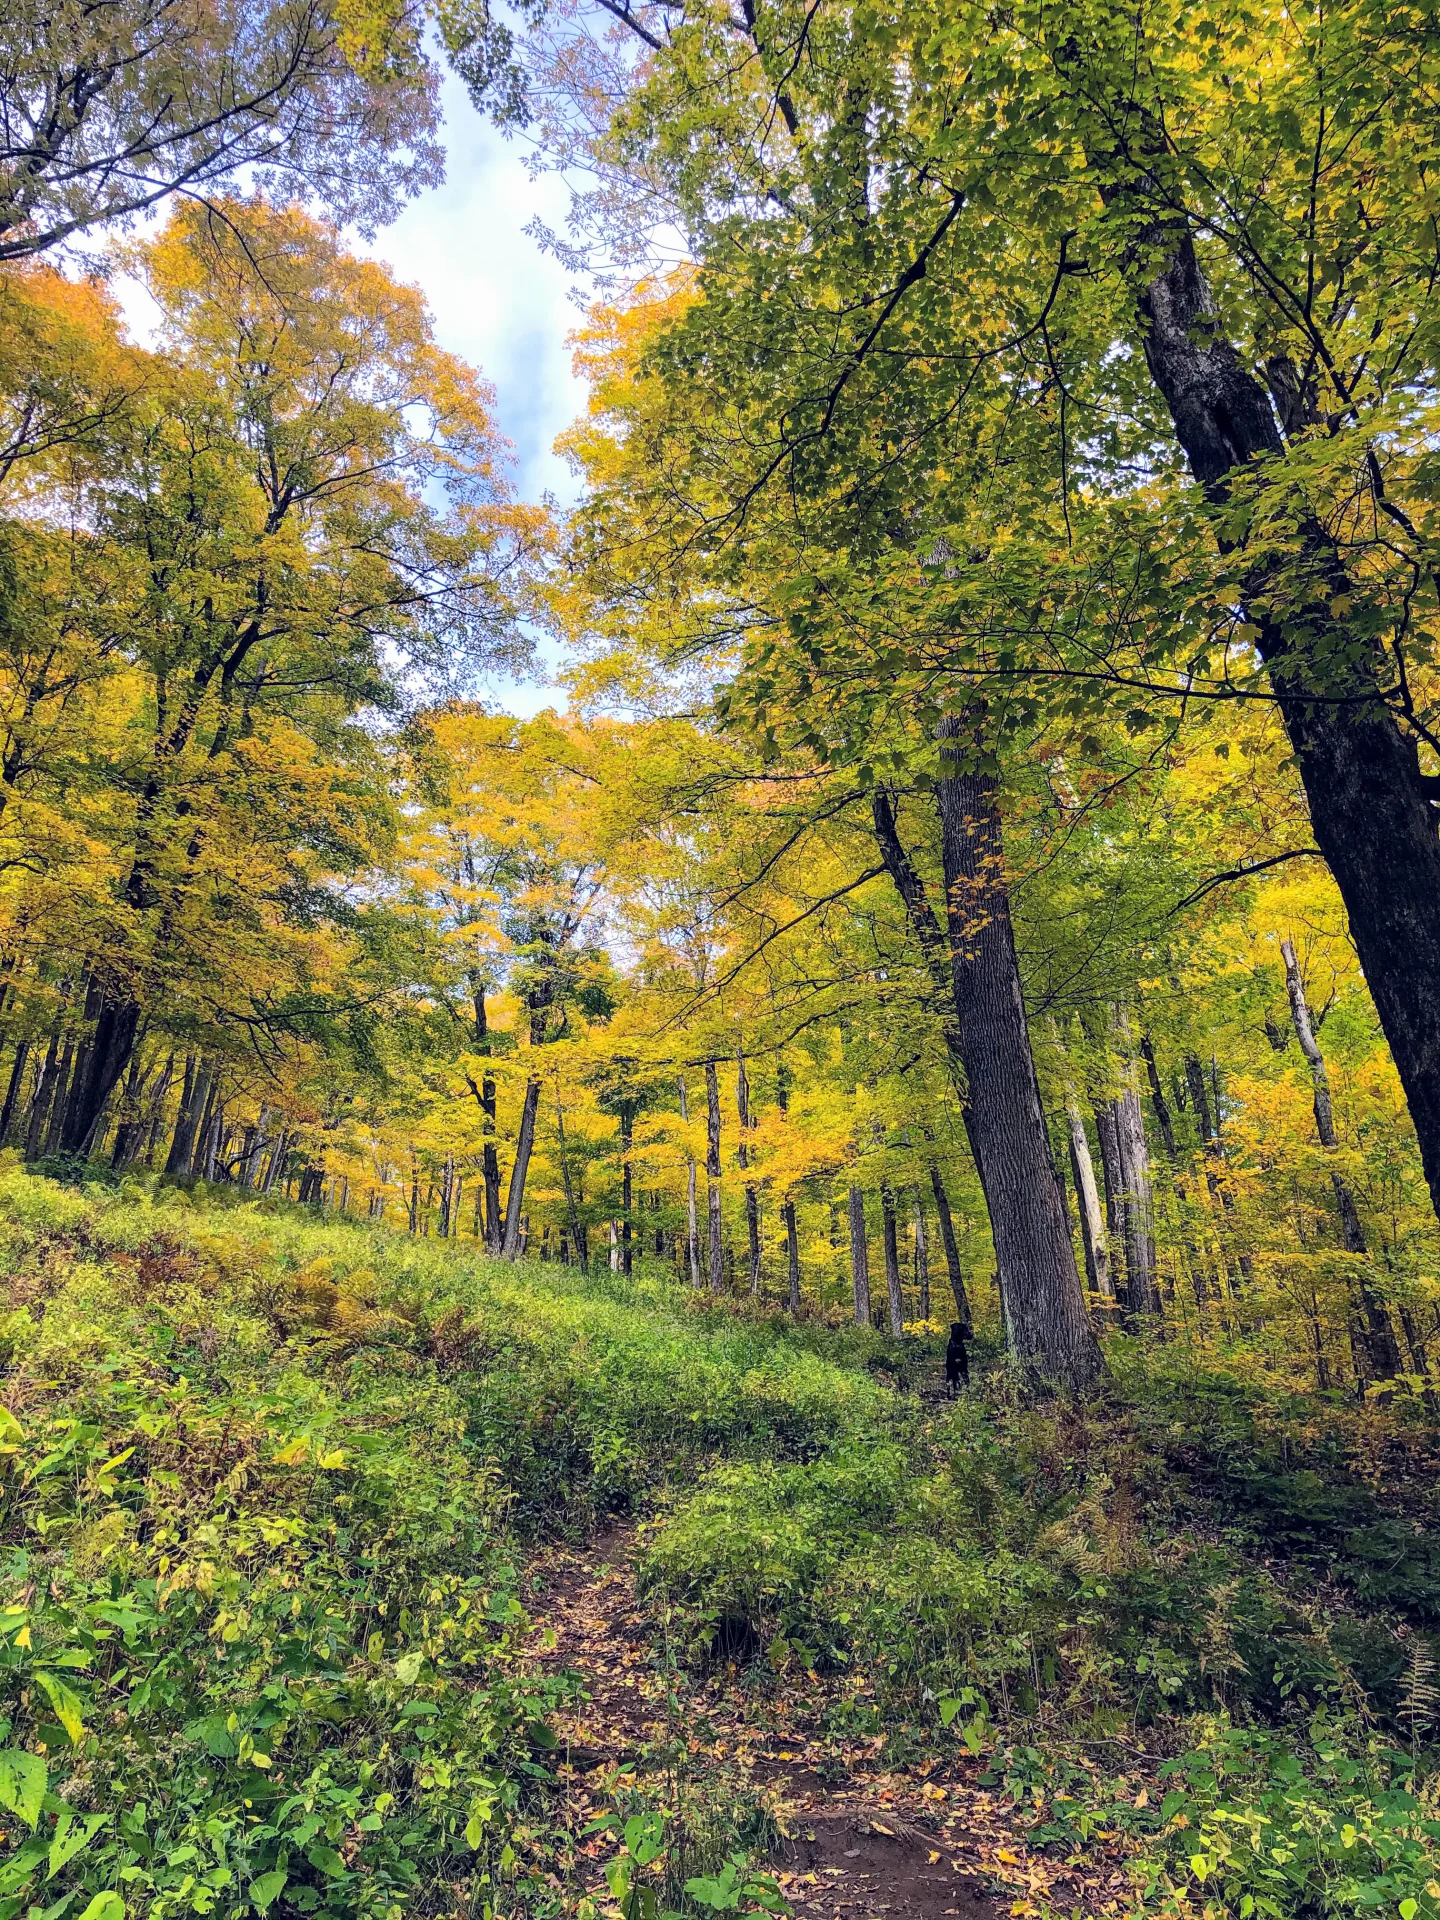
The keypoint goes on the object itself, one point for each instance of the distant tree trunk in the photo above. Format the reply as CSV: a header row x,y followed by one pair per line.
x,y
890,1239
510,1247
447,1191
952,1250
60,1098
414,1194
792,1254
922,1253
1139,1193
712,1178
627,1190
1047,1329
12,1090
577,1232
1380,1342
1093,1236
41,1096
752,1198
187,1118
1158,1101
692,1219
859,1258
276,1162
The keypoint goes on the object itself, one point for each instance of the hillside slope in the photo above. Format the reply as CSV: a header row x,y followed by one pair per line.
x,y
280,1496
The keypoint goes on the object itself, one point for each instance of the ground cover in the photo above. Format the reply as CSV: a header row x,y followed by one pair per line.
x,y
345,1574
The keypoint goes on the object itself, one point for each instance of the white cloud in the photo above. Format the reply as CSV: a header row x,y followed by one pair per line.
x,y
499,302
497,299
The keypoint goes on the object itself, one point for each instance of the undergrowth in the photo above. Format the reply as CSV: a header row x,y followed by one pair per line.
x,y
266,1484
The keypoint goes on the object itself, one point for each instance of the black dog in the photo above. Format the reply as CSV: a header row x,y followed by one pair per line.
x,y
957,1361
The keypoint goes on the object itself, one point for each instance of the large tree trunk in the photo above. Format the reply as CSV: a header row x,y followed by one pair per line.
x,y
1371,814
117,1022
515,1200
1047,1328
859,1258
1380,1341
712,1180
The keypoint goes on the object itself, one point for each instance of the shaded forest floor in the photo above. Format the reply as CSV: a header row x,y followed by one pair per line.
x,y
849,1835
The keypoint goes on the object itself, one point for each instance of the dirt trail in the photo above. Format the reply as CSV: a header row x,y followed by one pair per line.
x,y
857,1841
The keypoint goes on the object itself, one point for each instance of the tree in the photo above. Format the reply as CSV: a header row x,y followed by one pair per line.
x,y
107,110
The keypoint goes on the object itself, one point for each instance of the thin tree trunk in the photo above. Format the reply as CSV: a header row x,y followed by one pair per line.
x,y
922,1253
859,1258
1380,1342
40,1098
12,1090
712,1179
792,1254
577,1233
627,1194
1139,1188
952,1250
890,1239
1047,1328
752,1198
60,1098
510,1247
1371,813
1093,1236
692,1242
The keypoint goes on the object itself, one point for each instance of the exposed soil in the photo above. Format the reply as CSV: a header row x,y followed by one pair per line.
x,y
855,1839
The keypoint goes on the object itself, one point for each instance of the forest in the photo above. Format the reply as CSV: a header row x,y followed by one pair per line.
x,y
806,1281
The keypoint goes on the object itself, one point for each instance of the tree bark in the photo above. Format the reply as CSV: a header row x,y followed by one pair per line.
x,y
525,1140
692,1216
194,1104
1093,1237
752,1198
712,1180
1047,1328
1370,812
12,1090
40,1098
859,1258
117,1022
952,1250
890,1239
922,1253
792,1255
1381,1345
1139,1192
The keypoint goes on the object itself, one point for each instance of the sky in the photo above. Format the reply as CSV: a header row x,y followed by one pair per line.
x,y
499,301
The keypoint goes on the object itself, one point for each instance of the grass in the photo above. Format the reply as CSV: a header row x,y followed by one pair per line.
x,y
267,1482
